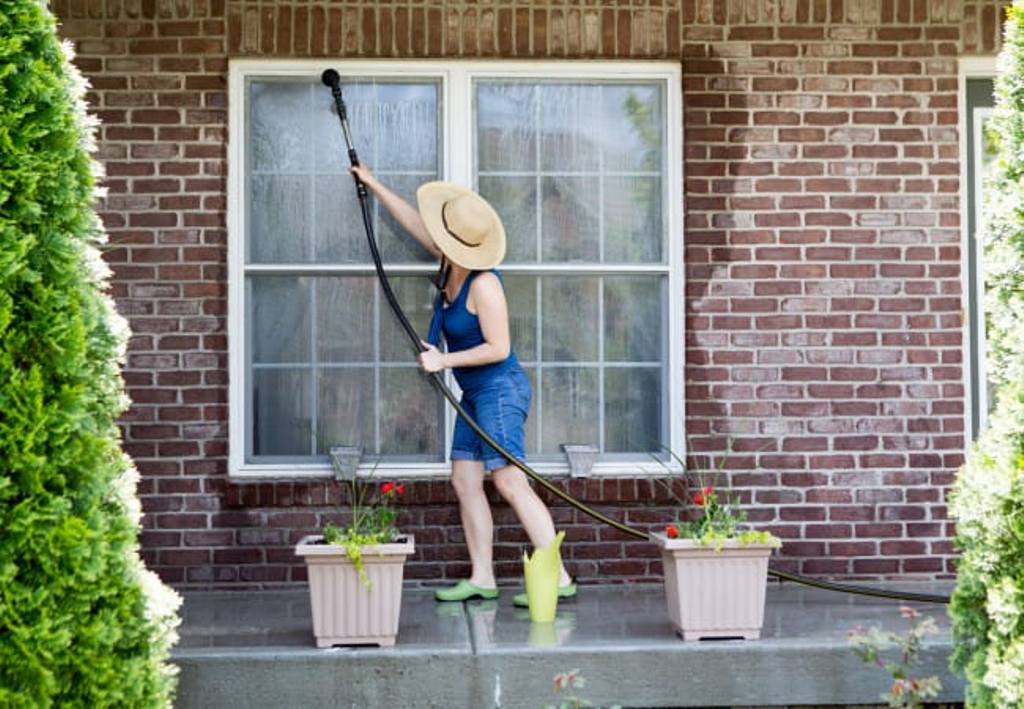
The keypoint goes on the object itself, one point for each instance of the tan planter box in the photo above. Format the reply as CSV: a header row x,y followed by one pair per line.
x,y
715,594
345,611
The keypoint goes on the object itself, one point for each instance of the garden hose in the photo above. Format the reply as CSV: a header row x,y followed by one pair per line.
x,y
332,79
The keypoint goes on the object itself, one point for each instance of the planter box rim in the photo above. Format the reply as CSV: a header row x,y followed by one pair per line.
x,y
663,541
309,546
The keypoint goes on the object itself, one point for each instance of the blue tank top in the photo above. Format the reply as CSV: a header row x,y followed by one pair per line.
x,y
462,331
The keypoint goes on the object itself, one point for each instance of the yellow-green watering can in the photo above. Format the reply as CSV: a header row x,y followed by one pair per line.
x,y
541,573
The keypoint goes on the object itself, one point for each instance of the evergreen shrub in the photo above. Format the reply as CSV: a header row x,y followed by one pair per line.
x,y
82,622
987,500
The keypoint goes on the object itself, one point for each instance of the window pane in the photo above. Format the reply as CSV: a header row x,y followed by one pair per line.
x,y
338,224
302,202
282,424
344,319
632,409
279,319
515,200
632,318
411,414
598,168
568,142
506,134
279,218
634,220
394,126
570,319
279,124
416,296
521,296
633,123
406,127
570,219
570,407
345,416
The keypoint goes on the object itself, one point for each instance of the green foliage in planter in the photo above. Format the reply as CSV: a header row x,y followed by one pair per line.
x,y
82,622
371,524
717,520
987,500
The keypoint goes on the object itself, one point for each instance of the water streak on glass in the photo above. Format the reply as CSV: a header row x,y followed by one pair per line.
x,y
344,319
411,413
633,328
570,407
570,319
633,409
282,420
279,319
346,407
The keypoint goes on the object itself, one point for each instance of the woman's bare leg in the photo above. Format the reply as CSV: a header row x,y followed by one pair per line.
x,y
468,481
533,515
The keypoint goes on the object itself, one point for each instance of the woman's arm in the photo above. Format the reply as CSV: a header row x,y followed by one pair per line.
x,y
492,310
406,215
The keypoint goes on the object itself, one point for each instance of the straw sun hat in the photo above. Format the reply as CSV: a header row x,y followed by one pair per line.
x,y
463,225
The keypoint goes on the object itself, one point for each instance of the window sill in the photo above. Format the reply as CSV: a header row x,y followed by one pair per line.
x,y
436,471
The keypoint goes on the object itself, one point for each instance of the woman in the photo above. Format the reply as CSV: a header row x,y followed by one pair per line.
x,y
461,229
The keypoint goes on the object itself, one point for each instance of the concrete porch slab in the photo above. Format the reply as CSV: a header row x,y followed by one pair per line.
x,y
255,649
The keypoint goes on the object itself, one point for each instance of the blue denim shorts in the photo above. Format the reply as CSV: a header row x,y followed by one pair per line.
x,y
500,407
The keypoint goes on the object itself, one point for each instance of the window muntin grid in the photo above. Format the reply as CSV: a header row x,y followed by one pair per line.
x,y
649,268
326,365
581,167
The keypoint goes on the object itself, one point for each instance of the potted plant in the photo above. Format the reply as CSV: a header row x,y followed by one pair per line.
x,y
355,572
715,573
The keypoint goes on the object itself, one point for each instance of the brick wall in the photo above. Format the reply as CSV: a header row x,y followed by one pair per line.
x,y
823,261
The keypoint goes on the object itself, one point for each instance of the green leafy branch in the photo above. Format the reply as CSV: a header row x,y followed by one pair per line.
x,y
870,646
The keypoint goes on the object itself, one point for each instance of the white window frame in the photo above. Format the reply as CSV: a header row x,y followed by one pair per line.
x,y
972,68
456,77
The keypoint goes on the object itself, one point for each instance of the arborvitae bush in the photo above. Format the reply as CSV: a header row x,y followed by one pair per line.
x,y
82,622
1004,213
987,501
987,607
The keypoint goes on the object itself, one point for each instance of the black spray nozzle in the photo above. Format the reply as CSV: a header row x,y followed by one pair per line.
x,y
330,78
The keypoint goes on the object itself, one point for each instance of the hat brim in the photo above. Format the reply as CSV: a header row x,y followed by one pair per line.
x,y
430,198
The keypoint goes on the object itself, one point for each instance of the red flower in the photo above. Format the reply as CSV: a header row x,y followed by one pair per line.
x,y
400,488
702,495
671,531
386,488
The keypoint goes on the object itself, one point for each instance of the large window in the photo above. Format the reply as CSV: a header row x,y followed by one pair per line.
x,y
582,163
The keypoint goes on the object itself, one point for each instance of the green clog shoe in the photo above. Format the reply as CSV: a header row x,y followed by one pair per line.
x,y
566,591
464,590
